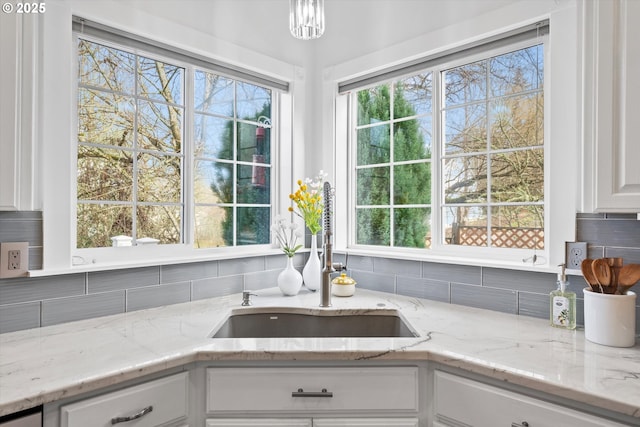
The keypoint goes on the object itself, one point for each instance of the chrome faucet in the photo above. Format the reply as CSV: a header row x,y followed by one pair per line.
x,y
329,265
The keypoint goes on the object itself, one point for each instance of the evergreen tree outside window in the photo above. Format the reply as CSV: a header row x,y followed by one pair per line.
x,y
488,185
232,180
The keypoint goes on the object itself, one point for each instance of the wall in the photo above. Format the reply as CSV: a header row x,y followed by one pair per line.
x,y
42,301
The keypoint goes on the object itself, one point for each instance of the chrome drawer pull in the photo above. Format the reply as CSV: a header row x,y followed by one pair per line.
x,y
522,424
140,414
302,393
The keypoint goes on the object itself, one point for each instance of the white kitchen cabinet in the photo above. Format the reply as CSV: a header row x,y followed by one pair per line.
x,y
18,110
257,422
610,106
313,396
315,422
366,390
461,401
161,402
366,422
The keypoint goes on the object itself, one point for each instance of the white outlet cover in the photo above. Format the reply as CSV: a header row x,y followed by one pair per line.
x,y
575,253
5,247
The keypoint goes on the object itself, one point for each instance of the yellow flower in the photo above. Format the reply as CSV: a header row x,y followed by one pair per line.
x,y
309,203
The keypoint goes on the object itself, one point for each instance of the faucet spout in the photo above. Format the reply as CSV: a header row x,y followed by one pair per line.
x,y
329,266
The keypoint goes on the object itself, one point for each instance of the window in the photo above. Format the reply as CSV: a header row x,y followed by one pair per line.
x,y
169,152
232,188
453,156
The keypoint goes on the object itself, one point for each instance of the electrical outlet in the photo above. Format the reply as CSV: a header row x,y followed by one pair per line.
x,y
576,252
14,259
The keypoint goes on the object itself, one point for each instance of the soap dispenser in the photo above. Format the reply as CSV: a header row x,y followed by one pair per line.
x,y
562,310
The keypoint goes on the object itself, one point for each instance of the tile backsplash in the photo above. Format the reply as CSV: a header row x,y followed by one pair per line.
x,y
41,301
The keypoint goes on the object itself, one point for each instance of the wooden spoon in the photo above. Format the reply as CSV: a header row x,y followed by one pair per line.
x,y
616,266
587,273
629,276
602,271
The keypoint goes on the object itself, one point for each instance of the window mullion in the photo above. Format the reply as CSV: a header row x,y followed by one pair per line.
x,y
188,159
136,148
437,150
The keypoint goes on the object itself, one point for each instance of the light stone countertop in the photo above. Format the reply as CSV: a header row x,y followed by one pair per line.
x,y
47,364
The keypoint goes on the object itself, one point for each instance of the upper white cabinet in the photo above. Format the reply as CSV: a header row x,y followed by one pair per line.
x,y
611,104
18,126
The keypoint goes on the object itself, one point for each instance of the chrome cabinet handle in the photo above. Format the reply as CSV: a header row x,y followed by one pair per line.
x,y
302,393
522,424
135,416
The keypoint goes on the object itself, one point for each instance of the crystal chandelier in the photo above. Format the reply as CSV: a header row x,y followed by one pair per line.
x,y
306,18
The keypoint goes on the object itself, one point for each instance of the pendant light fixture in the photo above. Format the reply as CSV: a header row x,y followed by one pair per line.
x,y
306,18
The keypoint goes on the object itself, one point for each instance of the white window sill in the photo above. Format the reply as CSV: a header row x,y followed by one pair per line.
x,y
162,260
446,259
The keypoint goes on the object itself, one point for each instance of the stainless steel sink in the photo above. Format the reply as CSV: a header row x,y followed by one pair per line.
x,y
262,322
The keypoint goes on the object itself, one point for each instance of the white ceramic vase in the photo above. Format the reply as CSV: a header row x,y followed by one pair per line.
x,y
312,271
289,279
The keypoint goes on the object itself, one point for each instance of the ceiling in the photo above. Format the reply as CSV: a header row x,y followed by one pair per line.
x,y
353,27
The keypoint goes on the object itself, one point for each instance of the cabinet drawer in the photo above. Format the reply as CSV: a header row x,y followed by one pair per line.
x,y
463,402
167,398
371,389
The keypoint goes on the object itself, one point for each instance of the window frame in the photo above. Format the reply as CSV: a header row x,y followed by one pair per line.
x,y
346,102
108,257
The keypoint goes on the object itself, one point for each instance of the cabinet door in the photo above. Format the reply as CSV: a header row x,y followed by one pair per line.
x,y
366,390
460,401
158,402
17,109
258,422
365,422
612,102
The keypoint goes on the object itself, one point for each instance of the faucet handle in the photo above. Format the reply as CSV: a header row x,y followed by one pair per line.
x,y
246,298
338,266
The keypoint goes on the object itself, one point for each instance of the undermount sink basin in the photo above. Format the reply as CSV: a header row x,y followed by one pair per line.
x,y
263,322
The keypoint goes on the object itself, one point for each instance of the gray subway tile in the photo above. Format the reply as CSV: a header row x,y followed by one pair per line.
x,y
61,310
374,281
528,281
482,297
619,232
263,279
20,215
21,230
16,317
112,280
358,262
630,255
452,273
216,287
241,265
35,258
337,257
25,289
436,290
397,266
156,296
189,271
534,305
594,252
273,262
